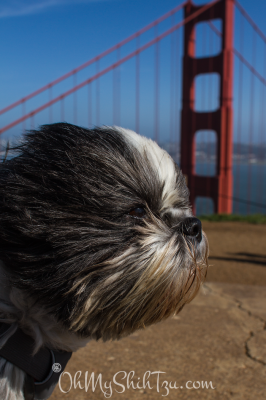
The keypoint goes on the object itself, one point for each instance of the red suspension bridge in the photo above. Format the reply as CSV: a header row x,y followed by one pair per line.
x,y
192,82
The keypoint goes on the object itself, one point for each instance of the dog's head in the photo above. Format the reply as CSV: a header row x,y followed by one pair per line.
x,y
96,225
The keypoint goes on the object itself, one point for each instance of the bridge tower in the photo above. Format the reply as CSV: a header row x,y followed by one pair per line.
x,y
218,187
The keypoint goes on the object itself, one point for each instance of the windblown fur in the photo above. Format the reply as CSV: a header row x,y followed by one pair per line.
x,y
73,250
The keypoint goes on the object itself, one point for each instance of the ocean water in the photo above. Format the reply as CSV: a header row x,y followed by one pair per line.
x,y
249,189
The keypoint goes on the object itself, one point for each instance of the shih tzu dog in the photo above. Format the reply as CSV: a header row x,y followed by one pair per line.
x,y
97,240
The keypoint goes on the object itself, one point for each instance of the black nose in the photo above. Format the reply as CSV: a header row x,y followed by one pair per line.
x,y
192,227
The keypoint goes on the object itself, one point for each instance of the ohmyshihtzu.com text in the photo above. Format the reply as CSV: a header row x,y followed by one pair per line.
x,y
123,381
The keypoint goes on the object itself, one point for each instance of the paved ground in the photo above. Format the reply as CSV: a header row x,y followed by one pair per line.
x,y
219,338
237,252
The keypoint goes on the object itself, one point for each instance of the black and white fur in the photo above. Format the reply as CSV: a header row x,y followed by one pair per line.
x,y
78,261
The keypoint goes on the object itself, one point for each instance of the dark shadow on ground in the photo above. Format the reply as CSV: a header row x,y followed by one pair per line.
x,y
249,258
250,255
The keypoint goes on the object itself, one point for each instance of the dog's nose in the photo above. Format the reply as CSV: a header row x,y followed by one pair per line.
x,y
192,227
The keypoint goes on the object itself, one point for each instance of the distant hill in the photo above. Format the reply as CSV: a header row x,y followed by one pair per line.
x,y
206,152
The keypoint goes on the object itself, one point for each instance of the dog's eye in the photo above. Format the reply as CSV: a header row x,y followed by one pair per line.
x,y
138,212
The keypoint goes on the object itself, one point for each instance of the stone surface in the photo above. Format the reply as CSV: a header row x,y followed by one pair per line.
x,y
256,346
237,252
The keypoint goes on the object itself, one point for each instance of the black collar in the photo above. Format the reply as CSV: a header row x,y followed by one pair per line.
x,y
18,350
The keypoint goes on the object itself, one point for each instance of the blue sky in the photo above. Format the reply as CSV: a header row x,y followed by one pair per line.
x,y
41,40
